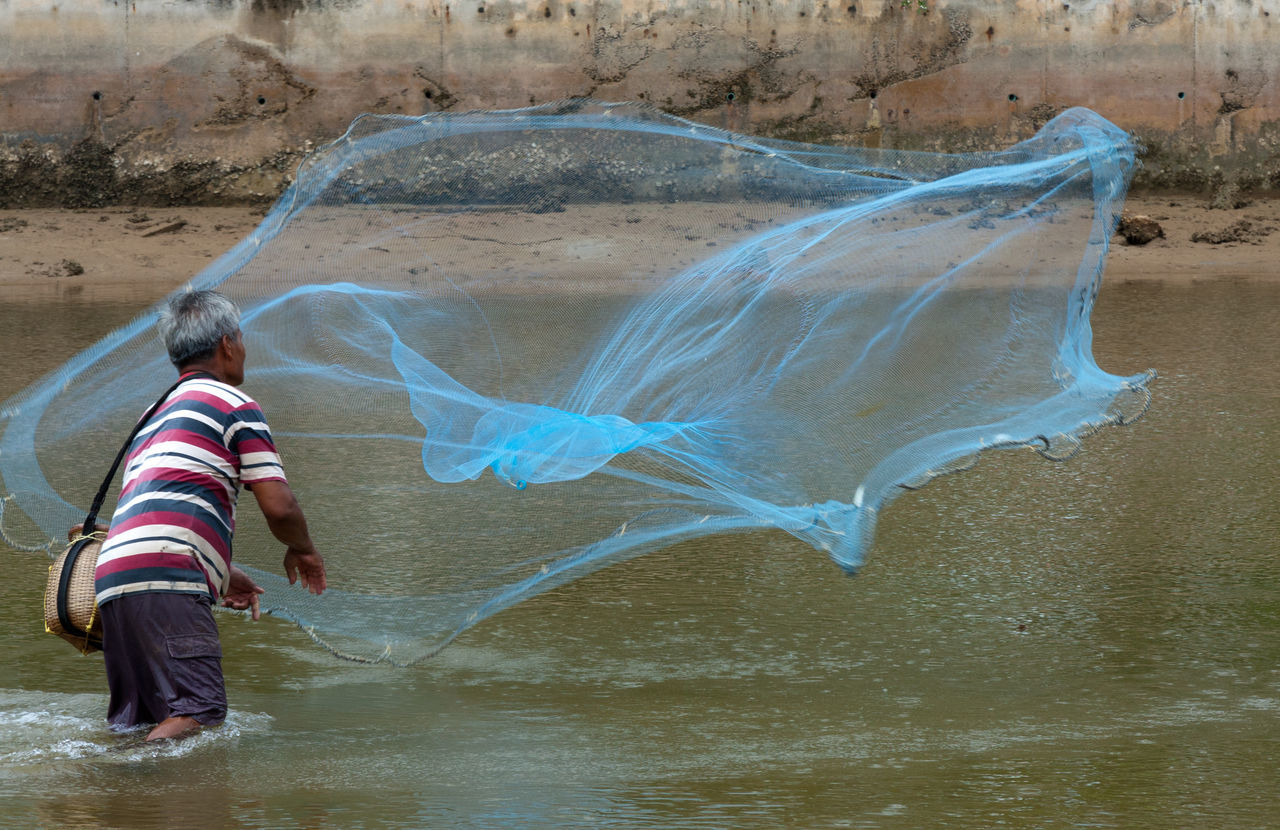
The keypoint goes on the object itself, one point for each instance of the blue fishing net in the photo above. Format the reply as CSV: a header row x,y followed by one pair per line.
x,y
500,350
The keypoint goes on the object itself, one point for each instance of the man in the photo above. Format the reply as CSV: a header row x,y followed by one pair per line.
x,y
167,556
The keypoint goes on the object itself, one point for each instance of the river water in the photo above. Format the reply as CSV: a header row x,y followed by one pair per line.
x,y
1089,643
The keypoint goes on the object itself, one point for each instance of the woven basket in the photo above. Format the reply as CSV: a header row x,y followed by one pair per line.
x,y
70,610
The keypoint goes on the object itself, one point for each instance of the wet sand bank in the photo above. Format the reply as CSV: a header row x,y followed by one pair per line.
x,y
127,254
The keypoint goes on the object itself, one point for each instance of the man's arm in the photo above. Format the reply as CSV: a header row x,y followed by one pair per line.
x,y
288,524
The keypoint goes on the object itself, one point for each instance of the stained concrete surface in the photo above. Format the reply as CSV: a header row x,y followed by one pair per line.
x,y
216,101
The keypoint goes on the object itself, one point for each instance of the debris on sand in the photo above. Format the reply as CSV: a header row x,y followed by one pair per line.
x,y
1138,228
170,227
66,268
1245,230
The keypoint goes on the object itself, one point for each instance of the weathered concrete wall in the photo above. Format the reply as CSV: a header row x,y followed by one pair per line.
x,y
206,101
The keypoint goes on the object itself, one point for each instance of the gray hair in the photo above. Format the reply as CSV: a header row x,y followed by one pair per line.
x,y
193,324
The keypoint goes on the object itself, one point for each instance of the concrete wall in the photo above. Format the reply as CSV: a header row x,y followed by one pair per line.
x,y
207,101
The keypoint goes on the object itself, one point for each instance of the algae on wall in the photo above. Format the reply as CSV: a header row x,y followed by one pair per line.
x,y
215,101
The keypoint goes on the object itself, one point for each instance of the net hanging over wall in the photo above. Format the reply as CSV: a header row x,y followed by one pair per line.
x,y
500,350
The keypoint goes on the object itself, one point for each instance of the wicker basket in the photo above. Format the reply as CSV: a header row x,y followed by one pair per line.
x,y
70,610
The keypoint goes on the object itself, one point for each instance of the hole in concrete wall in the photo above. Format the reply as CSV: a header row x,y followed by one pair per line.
x,y
573,12
480,10
427,94
1012,97
261,100
991,30
873,94
546,11
1181,95
852,10
97,96
730,97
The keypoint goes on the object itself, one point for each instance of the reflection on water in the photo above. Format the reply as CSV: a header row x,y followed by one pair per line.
x,y
1030,644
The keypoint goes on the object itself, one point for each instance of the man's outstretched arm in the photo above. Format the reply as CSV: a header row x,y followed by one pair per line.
x,y
288,524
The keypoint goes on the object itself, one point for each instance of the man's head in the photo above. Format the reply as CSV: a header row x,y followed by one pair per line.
x,y
202,329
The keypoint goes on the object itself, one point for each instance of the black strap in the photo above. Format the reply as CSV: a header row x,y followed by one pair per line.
x,y
92,519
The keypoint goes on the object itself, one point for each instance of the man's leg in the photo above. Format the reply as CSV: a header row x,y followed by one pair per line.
x,y
177,727
164,663
129,671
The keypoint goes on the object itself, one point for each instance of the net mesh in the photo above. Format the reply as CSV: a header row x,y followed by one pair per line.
x,y
500,350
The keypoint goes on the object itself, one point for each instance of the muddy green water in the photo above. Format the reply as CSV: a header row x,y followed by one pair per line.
x,y
1094,643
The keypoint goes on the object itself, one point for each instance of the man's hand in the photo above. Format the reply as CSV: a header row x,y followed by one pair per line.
x,y
242,593
307,564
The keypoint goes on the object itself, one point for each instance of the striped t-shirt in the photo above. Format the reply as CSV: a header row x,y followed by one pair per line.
x,y
172,528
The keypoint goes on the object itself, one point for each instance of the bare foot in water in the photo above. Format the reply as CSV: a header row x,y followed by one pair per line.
x,y
179,727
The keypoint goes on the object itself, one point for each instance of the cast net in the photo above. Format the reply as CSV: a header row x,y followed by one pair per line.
x,y
500,350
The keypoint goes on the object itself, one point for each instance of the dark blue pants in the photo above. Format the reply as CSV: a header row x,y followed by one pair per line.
x,y
163,659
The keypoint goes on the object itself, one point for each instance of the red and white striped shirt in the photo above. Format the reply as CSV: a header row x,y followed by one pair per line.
x,y
172,528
